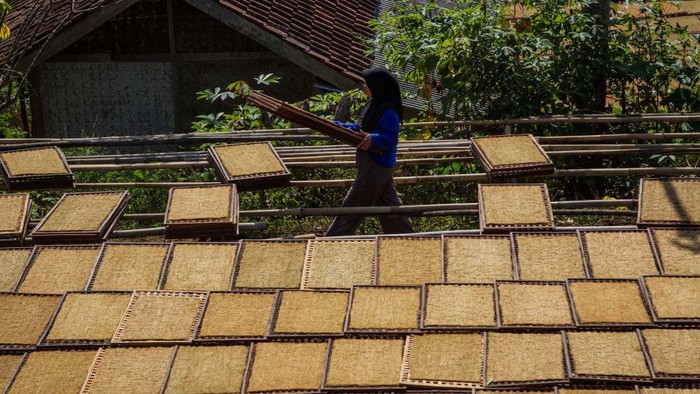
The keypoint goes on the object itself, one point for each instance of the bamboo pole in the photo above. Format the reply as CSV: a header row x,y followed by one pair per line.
x,y
157,231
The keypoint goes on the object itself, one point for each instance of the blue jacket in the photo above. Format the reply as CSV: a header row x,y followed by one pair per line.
x,y
385,136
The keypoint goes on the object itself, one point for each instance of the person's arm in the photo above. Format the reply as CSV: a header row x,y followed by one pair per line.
x,y
351,126
389,126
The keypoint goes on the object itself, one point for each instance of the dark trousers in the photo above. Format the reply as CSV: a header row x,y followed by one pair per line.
x,y
374,185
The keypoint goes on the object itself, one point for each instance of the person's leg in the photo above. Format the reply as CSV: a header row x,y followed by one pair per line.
x,y
393,224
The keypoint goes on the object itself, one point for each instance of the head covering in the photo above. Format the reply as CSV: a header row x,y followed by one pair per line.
x,y
385,94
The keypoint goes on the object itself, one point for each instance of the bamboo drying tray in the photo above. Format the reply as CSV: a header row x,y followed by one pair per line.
x,y
129,370
339,264
356,364
314,313
511,155
673,354
604,356
15,210
53,372
9,365
129,266
202,211
524,359
37,168
677,251
477,258
529,304
13,262
669,202
200,266
286,367
444,360
160,318
458,307
270,264
548,257
251,166
608,302
386,309
24,318
237,315
208,369
673,299
408,261
514,206
618,254
55,269
81,217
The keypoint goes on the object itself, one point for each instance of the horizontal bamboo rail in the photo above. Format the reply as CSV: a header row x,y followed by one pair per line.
x,y
157,231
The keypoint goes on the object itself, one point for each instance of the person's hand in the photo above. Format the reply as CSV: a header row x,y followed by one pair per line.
x,y
366,141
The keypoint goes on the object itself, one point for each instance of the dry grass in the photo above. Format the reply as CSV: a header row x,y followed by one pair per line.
x,y
511,150
54,372
608,302
81,212
404,261
622,254
595,391
384,308
130,267
200,203
607,354
56,270
674,352
249,159
131,370
23,319
201,267
341,264
236,315
534,304
524,357
311,312
271,265
447,357
679,251
668,390
549,257
209,369
12,262
365,363
89,317
478,260
161,316
460,306
515,205
46,161
8,366
12,212
675,297
670,201
287,366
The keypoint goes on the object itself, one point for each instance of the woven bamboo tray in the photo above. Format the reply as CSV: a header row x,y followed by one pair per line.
x,y
514,206
382,310
339,264
279,367
129,266
13,262
524,359
252,166
444,360
606,356
160,318
15,210
669,202
37,168
409,261
530,304
673,299
618,254
86,318
237,316
208,369
511,155
56,269
202,211
477,258
677,251
673,354
53,372
270,264
593,389
548,256
360,364
458,307
24,318
200,266
9,366
309,313
129,370
608,302
81,217
670,388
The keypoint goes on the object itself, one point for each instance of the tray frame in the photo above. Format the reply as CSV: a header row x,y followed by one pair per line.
x,y
278,304
165,271
233,340
202,227
456,329
503,228
257,181
661,377
378,239
239,256
101,255
514,247
311,252
656,248
445,254
538,327
17,238
652,310
6,348
660,223
606,326
32,182
512,170
587,257
34,254
382,331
